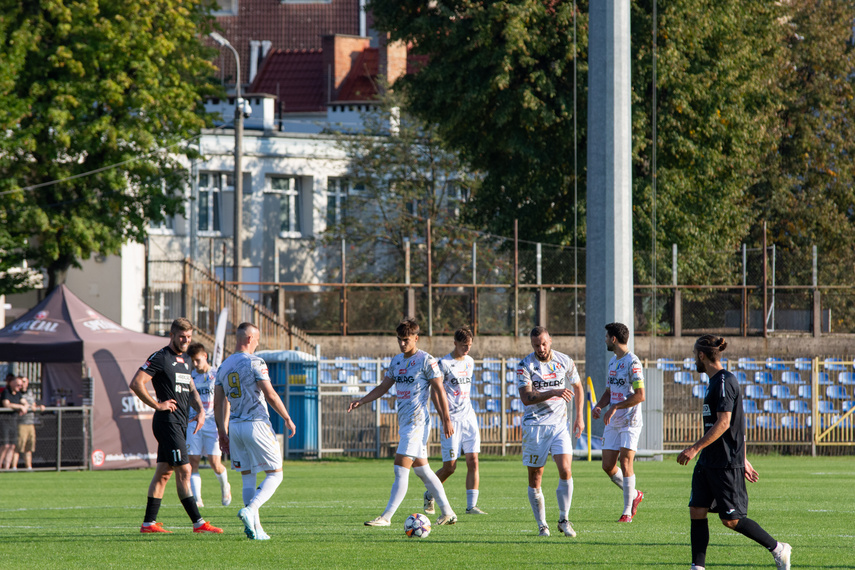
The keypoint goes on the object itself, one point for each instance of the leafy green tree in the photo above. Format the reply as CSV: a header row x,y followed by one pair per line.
x,y
92,85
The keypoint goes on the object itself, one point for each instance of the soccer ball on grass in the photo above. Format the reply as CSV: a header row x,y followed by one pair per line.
x,y
417,526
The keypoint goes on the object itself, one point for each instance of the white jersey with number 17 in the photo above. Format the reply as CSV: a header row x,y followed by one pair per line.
x,y
558,372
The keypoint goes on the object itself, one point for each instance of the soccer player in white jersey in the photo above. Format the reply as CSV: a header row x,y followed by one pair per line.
x,y
457,369
241,397
206,441
623,395
547,380
416,377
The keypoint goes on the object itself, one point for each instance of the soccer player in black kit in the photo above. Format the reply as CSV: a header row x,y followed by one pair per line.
x,y
168,370
718,482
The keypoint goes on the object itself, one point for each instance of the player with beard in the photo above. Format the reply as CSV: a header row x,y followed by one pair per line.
x,y
168,370
718,482
547,380
623,395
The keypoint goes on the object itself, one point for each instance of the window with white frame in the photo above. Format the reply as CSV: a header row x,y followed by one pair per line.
x,y
209,206
287,193
337,191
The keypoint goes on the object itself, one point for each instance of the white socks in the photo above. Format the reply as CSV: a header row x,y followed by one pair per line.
x,y
564,493
248,491
266,490
471,498
434,487
223,478
629,493
617,478
399,491
538,506
196,486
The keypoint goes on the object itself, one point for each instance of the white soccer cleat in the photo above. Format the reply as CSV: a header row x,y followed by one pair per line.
x,y
379,521
475,511
446,519
543,531
259,531
565,527
247,517
227,495
782,559
430,507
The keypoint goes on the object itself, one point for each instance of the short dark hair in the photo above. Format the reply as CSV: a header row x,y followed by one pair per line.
x,y
195,348
712,346
619,331
407,327
537,331
180,325
463,334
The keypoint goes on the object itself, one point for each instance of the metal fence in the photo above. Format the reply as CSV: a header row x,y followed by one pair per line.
x,y
63,437
799,406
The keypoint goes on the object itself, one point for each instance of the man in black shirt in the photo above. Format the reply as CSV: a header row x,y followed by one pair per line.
x,y
718,482
168,370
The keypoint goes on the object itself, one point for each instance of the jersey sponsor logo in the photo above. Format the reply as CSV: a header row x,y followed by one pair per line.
x,y
612,373
617,381
553,366
404,379
182,378
621,366
434,367
706,411
411,363
550,376
636,370
546,384
179,359
403,394
458,381
402,371
146,365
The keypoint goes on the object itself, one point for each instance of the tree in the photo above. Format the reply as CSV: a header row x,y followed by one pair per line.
x,y
95,85
400,176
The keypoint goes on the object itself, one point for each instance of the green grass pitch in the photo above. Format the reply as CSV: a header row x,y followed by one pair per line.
x,y
92,519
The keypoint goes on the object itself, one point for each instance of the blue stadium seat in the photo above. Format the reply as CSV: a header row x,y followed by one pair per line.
x,y
803,363
492,364
517,405
750,407
792,422
826,407
835,364
748,364
824,379
511,364
836,393
474,392
667,364
517,421
689,363
846,378
366,363
781,392
724,363
369,376
385,362
799,407
476,406
741,377
684,378
774,407
755,392
699,391
776,364
848,406
704,378
511,376
387,406
492,391
513,391
804,391
763,378
790,377
325,377
493,405
766,422
489,377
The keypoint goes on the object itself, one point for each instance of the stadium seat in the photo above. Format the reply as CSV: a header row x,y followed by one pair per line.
x,y
803,363
741,377
493,405
848,406
492,391
476,406
836,393
763,378
781,392
666,364
386,362
489,377
776,364
699,391
492,364
513,391
804,391
704,378
387,406
755,392
826,407
824,379
790,377
689,363
750,407
517,405
835,364
748,364
326,377
511,364
846,378
799,407
517,421
366,363
791,422
369,376
474,392
766,422
683,378
774,407
724,363
511,376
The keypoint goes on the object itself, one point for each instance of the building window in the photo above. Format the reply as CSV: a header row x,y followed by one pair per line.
x,y
167,225
210,203
337,191
287,193
455,195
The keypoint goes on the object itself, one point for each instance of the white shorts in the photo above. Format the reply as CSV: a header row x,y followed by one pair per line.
x,y
205,442
615,438
254,447
414,440
539,441
466,439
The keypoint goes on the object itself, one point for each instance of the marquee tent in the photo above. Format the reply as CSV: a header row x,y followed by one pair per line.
x,y
71,339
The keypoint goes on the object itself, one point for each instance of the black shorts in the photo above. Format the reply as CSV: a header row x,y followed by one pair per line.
x,y
9,428
171,442
721,491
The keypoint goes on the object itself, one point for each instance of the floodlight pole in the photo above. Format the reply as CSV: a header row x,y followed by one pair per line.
x,y
238,175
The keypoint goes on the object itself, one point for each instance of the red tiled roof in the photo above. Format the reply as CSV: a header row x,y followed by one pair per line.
x,y
296,77
361,82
